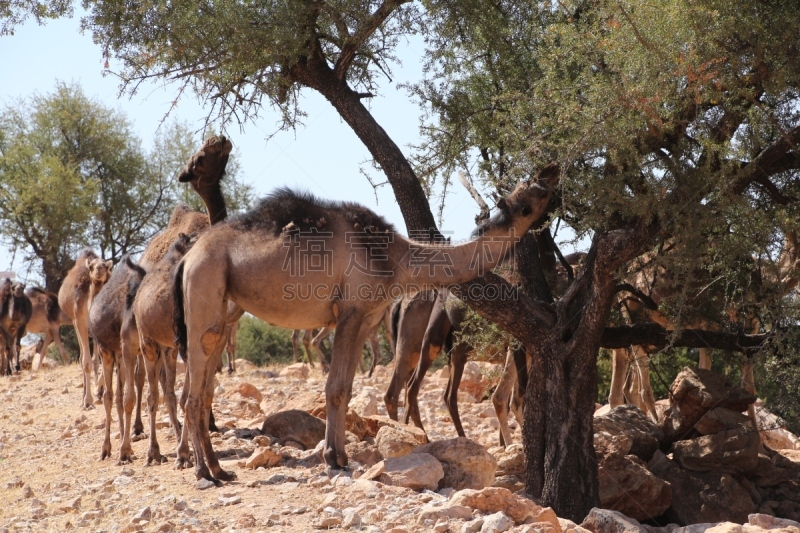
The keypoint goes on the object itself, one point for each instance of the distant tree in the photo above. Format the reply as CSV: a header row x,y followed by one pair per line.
x,y
72,174
262,343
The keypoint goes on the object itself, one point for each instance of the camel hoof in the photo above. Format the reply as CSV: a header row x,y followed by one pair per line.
x,y
225,475
88,407
155,459
138,436
182,463
333,461
105,453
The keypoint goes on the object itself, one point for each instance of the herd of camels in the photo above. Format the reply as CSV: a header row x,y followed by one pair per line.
x,y
196,279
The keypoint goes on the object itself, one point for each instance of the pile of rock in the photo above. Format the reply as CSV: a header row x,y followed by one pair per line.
x,y
703,462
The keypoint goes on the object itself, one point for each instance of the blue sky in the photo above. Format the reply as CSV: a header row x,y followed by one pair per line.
x,y
324,157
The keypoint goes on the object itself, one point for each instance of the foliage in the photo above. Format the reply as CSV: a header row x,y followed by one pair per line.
x,y
262,343
246,53
72,175
15,12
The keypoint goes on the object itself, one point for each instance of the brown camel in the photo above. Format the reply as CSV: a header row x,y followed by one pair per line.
x,y
630,378
83,282
15,311
153,306
117,341
230,349
46,320
261,260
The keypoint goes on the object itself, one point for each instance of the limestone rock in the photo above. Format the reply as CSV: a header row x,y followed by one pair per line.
x,y
295,425
296,371
770,522
363,453
702,497
630,421
394,441
607,445
494,499
247,390
721,419
733,452
467,464
366,402
628,487
496,522
510,460
472,380
417,471
608,521
695,392
263,456
450,512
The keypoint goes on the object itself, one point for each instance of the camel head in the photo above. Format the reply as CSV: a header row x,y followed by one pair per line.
x,y
207,166
523,206
18,289
99,270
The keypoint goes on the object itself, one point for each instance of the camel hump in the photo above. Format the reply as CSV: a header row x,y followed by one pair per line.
x,y
300,211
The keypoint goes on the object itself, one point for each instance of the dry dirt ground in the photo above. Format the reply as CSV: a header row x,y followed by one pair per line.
x,y
51,478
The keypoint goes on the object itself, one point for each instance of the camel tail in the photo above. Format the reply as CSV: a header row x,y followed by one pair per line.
x,y
179,320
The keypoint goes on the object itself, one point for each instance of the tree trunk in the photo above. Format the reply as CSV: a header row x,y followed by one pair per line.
x,y
558,432
405,183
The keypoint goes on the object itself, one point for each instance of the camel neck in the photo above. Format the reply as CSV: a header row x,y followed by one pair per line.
x,y
215,203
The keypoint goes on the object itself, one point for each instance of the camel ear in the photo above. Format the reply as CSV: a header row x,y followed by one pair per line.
x,y
109,264
88,264
185,176
501,204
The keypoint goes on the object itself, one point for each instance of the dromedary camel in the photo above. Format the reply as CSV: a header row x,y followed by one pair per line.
x,y
117,342
15,311
630,378
153,306
260,259
83,282
46,319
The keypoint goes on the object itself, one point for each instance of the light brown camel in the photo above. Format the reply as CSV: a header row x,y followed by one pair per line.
x,y
630,378
259,260
117,342
46,320
83,282
15,311
153,306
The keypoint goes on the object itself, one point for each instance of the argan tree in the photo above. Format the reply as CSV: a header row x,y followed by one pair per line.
x,y
673,126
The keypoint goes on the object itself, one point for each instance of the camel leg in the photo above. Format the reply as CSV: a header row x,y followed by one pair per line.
x,y
501,398
404,361
211,456
375,348
351,332
705,359
151,362
127,369
230,349
458,359
619,370
55,335
295,341
108,377
316,341
139,378
646,398
432,343
749,384
183,456
170,359
118,401
82,331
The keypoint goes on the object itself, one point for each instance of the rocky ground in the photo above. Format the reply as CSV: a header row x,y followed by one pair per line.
x,y
271,423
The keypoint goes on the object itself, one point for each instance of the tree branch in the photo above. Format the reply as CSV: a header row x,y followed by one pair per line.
x,y
771,160
354,42
651,334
